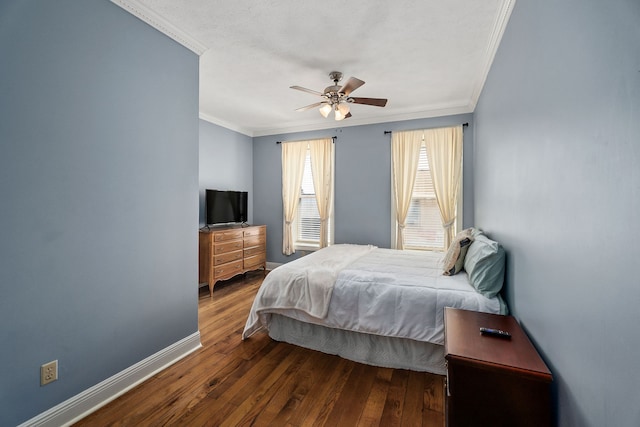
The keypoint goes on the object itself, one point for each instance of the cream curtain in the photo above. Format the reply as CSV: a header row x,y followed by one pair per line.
x,y
322,170
293,155
405,152
444,150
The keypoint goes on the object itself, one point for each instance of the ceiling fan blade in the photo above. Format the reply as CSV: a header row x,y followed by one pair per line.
x,y
348,115
304,89
351,85
377,102
308,107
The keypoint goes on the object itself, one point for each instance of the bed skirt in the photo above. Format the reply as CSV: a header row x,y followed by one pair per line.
x,y
388,352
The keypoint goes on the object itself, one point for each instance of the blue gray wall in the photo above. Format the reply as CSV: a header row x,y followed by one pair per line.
x,y
362,181
557,155
99,197
226,163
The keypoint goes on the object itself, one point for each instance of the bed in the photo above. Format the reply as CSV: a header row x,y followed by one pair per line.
x,y
377,306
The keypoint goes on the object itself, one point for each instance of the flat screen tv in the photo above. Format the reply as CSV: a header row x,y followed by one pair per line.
x,y
223,207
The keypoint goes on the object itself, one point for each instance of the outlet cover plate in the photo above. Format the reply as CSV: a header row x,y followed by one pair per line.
x,y
48,372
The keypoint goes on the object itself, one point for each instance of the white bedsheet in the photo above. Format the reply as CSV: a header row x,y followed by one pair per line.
x,y
376,291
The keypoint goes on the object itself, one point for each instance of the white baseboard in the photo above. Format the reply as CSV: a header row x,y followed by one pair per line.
x,y
88,401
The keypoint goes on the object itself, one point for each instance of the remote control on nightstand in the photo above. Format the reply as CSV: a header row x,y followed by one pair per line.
x,y
495,333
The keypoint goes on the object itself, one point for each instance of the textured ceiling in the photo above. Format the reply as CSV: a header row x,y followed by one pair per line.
x,y
428,57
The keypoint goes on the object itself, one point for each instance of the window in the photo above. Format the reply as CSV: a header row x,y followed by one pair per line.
x,y
423,228
307,194
308,218
426,185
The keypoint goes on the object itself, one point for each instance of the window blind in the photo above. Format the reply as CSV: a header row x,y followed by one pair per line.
x,y
423,229
308,216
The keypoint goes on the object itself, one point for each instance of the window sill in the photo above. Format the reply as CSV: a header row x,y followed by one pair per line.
x,y
307,248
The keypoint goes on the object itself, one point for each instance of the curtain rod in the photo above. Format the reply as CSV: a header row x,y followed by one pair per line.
x,y
333,137
386,132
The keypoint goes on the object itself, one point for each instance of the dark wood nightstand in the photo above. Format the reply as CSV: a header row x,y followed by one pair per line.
x,y
493,381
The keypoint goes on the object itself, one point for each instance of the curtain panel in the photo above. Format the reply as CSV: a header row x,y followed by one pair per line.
x,y
321,151
293,155
405,153
444,150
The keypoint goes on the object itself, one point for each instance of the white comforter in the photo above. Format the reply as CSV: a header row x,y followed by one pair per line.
x,y
367,289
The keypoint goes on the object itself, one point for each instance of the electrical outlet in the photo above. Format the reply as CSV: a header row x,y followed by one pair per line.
x,y
48,372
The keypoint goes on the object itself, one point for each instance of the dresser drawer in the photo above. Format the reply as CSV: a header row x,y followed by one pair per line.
x,y
224,247
254,241
255,250
228,270
254,231
227,257
221,236
254,261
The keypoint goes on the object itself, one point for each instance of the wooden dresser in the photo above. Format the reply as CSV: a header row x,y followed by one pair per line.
x,y
231,250
493,381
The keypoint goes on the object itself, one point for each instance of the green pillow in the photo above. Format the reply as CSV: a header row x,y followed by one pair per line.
x,y
485,265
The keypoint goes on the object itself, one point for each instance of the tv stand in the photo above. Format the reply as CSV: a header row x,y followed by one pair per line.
x,y
228,251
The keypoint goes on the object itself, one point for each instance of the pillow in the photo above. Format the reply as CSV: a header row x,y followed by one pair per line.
x,y
485,265
475,232
454,259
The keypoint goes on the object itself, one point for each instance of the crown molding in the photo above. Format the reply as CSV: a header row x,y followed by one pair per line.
x,y
226,124
158,22
495,37
332,124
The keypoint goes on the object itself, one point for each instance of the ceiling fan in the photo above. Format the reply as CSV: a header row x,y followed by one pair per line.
x,y
337,99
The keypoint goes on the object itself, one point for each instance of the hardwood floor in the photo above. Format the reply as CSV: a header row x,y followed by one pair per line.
x,y
261,382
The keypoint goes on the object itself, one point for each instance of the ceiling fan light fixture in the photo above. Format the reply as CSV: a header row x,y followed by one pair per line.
x,y
341,111
325,110
343,108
